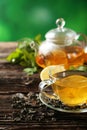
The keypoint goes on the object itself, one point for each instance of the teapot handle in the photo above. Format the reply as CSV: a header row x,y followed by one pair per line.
x,y
84,41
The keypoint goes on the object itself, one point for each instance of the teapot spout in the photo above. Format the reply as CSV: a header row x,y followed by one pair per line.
x,y
84,37
84,43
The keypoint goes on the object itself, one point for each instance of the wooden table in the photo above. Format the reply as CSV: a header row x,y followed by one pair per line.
x,y
14,81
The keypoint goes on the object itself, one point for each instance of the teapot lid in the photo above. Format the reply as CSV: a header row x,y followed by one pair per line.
x,y
60,33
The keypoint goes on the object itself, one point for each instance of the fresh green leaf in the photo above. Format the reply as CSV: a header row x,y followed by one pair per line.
x,y
24,54
38,39
30,71
15,57
80,68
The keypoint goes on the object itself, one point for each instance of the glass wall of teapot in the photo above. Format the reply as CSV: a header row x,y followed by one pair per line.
x,y
62,46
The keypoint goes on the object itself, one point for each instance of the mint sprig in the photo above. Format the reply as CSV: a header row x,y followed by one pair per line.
x,y
80,68
24,55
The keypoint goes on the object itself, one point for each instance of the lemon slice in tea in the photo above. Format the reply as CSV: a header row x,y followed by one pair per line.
x,y
44,75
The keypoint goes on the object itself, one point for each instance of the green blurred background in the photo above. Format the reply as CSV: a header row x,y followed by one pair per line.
x,y
28,18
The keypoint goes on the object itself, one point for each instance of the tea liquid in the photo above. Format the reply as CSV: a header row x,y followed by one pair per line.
x,y
70,55
75,55
72,90
54,58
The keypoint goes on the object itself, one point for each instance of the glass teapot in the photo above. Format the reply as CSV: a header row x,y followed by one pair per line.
x,y
62,46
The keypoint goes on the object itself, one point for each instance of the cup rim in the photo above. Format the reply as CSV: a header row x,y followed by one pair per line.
x,y
67,73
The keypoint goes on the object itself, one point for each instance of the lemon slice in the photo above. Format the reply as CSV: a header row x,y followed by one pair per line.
x,y
44,74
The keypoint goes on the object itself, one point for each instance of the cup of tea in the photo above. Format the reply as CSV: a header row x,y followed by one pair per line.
x,y
70,86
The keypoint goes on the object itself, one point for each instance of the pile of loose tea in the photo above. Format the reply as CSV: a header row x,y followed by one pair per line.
x,y
30,108
60,106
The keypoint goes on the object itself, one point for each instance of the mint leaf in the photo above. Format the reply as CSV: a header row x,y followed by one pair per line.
x,y
24,55
30,71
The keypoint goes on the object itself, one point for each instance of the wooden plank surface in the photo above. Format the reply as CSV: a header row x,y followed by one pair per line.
x,y
14,81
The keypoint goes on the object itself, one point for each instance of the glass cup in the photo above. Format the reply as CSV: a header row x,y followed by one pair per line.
x,y
70,86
